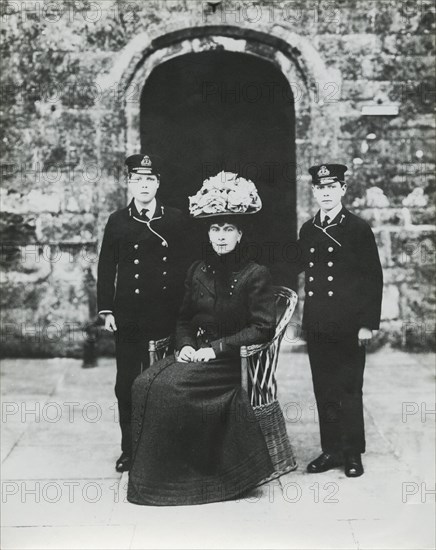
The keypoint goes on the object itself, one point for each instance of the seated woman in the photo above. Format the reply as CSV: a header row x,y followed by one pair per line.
x,y
195,437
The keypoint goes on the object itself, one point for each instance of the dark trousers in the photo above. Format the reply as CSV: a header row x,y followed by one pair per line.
x,y
337,363
131,350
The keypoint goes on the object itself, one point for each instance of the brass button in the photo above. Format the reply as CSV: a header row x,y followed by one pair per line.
x,y
310,279
235,280
137,291
164,244
231,293
136,261
164,288
312,250
136,275
310,293
232,286
201,294
310,264
330,278
136,246
330,292
164,259
330,249
164,273
330,264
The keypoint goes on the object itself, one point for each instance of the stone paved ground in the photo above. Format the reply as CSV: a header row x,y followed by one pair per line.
x,y
60,489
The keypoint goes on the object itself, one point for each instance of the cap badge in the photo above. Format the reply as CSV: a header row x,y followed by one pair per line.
x,y
323,171
146,161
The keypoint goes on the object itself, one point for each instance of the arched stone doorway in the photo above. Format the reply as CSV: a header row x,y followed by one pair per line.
x,y
217,110
317,123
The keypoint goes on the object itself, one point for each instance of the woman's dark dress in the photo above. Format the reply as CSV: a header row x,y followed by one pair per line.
x,y
195,437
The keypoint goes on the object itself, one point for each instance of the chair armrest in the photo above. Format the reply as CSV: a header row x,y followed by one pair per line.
x,y
248,351
158,349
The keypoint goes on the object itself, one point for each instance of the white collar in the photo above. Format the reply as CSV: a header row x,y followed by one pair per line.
x,y
151,207
331,214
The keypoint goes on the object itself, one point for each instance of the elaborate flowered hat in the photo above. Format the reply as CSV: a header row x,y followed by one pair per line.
x,y
225,194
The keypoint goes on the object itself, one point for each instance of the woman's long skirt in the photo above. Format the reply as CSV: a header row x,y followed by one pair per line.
x,y
195,437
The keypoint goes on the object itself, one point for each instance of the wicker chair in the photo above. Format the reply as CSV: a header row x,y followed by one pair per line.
x,y
258,368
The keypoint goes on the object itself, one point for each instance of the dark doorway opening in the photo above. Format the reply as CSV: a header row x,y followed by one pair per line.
x,y
206,112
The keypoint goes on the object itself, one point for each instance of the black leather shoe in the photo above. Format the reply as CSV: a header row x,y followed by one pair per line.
x,y
123,463
353,465
323,463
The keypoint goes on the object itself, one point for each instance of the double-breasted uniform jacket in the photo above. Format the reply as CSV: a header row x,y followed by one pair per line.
x,y
343,275
226,312
141,267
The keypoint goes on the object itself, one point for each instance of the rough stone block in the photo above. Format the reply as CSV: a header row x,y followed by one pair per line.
x,y
390,304
414,247
404,68
25,294
381,216
359,90
307,18
65,227
383,240
35,201
16,228
418,315
27,264
400,44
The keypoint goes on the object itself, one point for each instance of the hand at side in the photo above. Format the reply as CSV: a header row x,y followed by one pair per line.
x,y
364,336
109,322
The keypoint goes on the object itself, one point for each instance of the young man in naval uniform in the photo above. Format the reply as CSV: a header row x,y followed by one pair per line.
x,y
343,287
140,281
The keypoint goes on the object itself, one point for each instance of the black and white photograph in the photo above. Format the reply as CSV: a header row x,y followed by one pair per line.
x,y
218,256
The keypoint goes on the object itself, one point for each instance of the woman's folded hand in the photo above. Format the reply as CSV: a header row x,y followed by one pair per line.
x,y
204,354
186,354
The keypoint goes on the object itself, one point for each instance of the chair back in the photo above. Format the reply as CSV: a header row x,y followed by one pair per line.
x,y
259,362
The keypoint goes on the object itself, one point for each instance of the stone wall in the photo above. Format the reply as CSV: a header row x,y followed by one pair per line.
x,y
68,121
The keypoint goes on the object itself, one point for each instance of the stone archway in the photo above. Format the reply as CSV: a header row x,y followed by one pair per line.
x,y
314,86
300,63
